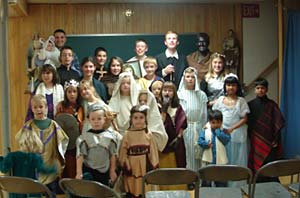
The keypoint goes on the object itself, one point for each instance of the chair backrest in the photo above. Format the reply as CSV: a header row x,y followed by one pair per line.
x,y
171,176
23,185
223,173
279,168
276,169
86,188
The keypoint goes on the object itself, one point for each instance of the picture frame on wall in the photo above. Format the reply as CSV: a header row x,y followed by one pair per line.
x,y
135,66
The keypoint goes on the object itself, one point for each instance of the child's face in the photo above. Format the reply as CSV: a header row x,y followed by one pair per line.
x,y
141,48
88,69
231,88
150,69
125,86
215,124
39,110
171,41
143,99
217,65
101,57
47,77
115,67
66,57
260,90
168,92
138,120
72,94
156,89
189,79
97,119
86,93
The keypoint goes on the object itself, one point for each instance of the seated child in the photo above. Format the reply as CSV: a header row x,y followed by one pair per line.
x,y
97,148
213,139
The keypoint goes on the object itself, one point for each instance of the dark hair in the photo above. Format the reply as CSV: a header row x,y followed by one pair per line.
x,y
215,115
135,109
59,30
204,35
262,82
52,69
175,99
99,49
141,40
66,48
112,59
66,102
87,59
233,80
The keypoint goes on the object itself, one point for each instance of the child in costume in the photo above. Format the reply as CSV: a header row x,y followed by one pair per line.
x,y
47,138
97,148
138,152
213,139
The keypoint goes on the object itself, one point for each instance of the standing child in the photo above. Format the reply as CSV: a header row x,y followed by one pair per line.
x,y
213,140
155,88
46,137
234,109
194,104
50,88
175,122
170,63
138,152
97,148
71,105
215,78
150,66
265,122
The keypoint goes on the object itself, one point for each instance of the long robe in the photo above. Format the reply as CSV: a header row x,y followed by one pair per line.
x,y
138,154
264,124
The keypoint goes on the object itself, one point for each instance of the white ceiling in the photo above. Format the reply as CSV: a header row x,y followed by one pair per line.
x,y
139,1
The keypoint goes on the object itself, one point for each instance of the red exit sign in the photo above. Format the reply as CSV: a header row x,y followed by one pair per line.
x,y
250,10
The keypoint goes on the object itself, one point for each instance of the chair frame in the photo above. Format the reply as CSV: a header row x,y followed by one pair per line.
x,y
171,176
226,173
276,169
23,185
86,188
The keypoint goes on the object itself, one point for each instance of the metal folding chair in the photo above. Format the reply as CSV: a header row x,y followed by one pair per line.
x,y
224,173
23,185
275,169
170,176
86,188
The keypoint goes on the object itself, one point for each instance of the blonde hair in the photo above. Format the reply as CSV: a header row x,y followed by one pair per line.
x,y
210,73
150,60
39,98
171,32
88,85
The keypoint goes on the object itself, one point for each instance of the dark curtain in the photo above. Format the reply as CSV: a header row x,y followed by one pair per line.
x,y
290,95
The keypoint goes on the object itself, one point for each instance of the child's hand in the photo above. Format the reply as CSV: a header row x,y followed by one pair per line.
x,y
169,69
228,131
209,144
113,176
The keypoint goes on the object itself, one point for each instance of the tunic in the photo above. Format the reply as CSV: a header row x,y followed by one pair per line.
x,y
138,154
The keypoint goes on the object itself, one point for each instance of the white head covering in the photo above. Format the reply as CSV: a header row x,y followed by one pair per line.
x,y
182,88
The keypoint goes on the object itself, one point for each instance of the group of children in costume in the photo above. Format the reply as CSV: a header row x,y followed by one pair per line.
x,y
146,125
